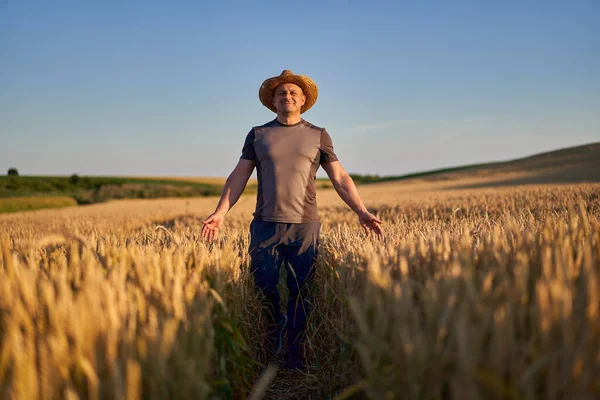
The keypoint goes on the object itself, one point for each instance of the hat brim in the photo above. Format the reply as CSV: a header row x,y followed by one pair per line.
x,y
309,88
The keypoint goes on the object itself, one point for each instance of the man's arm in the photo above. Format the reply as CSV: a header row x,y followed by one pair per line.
x,y
346,189
233,189
235,185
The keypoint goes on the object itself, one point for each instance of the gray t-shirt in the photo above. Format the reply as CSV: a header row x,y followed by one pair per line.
x,y
287,158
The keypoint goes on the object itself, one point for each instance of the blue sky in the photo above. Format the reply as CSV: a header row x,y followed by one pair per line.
x,y
105,88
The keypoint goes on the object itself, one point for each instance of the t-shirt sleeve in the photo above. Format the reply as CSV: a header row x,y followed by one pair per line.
x,y
248,149
327,153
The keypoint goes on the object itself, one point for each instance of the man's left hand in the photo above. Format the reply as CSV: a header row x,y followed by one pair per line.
x,y
370,223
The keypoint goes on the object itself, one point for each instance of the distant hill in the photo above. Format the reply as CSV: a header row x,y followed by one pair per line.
x,y
569,165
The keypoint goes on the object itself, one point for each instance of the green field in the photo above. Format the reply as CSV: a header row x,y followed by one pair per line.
x,y
14,204
89,190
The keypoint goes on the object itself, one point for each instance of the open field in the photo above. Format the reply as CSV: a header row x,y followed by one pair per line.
x,y
488,292
576,164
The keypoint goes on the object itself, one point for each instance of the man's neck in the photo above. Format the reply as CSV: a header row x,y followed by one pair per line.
x,y
289,119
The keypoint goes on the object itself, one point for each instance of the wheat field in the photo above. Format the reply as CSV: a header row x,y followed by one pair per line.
x,y
491,293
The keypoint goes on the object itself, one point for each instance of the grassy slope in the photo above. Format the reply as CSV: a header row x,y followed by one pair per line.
x,y
574,164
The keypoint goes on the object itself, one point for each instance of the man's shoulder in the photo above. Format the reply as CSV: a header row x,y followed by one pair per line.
x,y
312,126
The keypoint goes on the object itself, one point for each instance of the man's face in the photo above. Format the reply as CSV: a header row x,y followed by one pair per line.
x,y
288,98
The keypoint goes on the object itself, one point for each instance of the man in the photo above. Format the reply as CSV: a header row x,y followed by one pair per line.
x,y
287,153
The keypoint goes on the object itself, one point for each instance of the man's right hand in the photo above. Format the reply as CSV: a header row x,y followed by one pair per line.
x,y
370,223
210,230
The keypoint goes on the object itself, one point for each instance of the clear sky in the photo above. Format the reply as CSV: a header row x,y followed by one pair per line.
x,y
171,88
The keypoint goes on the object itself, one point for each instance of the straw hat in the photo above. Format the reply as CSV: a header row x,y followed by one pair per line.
x,y
309,87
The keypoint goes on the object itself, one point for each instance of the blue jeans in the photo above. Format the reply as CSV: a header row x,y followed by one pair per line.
x,y
296,246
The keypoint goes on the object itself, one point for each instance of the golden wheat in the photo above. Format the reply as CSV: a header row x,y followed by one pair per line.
x,y
491,293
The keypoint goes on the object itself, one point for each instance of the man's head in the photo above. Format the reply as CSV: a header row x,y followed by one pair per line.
x,y
299,92
288,98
